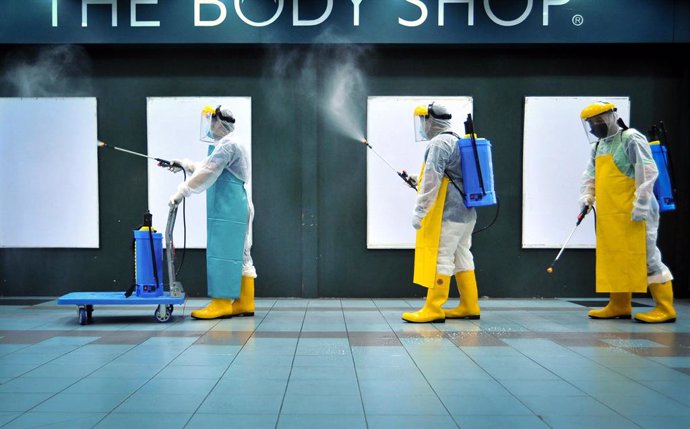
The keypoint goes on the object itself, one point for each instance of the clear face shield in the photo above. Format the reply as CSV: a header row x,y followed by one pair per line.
x,y
421,128
214,125
421,123
205,128
600,126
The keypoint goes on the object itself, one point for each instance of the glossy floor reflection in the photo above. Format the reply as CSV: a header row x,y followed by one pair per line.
x,y
342,363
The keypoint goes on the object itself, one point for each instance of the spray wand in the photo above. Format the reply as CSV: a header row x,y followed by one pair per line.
x,y
580,217
403,174
166,164
161,162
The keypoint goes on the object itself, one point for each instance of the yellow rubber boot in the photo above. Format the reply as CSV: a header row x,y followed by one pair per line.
x,y
219,308
244,306
435,298
619,307
664,311
469,297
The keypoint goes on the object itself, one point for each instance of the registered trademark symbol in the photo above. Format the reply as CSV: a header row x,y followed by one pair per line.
x,y
578,20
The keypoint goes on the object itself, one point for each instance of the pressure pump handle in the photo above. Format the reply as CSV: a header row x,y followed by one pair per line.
x,y
148,219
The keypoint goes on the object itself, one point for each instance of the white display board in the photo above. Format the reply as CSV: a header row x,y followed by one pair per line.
x,y
49,173
390,132
174,133
555,154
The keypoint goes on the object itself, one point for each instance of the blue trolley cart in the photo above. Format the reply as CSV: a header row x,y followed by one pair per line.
x,y
147,292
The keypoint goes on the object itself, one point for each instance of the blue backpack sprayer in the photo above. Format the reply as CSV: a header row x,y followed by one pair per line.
x,y
148,260
147,285
664,188
476,167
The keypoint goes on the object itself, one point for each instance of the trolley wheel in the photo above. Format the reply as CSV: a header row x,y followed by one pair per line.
x,y
89,312
162,314
82,316
170,308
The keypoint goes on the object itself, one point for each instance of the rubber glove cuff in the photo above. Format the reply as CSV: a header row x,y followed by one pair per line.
x,y
175,199
416,222
638,215
586,200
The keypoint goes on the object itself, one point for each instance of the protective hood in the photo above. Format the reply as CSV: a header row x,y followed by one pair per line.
x,y
437,126
216,123
431,121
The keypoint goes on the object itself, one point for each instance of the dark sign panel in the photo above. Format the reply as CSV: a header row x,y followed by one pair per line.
x,y
344,21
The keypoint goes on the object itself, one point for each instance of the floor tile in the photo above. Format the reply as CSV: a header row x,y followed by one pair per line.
x,y
56,420
145,420
322,404
234,421
350,363
319,421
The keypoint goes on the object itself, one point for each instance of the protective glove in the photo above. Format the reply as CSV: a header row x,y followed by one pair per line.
x,y
185,163
175,199
416,222
411,180
586,200
638,214
175,166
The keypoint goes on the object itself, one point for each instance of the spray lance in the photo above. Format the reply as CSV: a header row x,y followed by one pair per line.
x,y
403,174
161,162
165,164
580,217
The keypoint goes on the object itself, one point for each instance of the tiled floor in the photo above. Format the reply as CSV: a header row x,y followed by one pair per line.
x,y
342,364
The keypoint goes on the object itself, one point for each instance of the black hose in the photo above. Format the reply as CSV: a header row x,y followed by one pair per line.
x,y
498,207
184,229
153,256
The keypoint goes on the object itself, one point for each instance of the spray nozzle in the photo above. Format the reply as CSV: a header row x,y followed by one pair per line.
x,y
403,175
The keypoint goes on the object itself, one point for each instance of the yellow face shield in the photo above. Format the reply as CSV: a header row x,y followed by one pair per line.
x,y
596,109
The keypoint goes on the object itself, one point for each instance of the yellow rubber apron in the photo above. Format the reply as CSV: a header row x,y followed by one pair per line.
x,y
621,255
428,237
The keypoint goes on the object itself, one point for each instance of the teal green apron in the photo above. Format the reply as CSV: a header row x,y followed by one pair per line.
x,y
226,225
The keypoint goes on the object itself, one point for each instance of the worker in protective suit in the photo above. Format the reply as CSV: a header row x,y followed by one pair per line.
x,y
620,177
444,224
230,270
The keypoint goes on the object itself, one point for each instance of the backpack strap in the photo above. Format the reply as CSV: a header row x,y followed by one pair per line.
x,y
446,172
